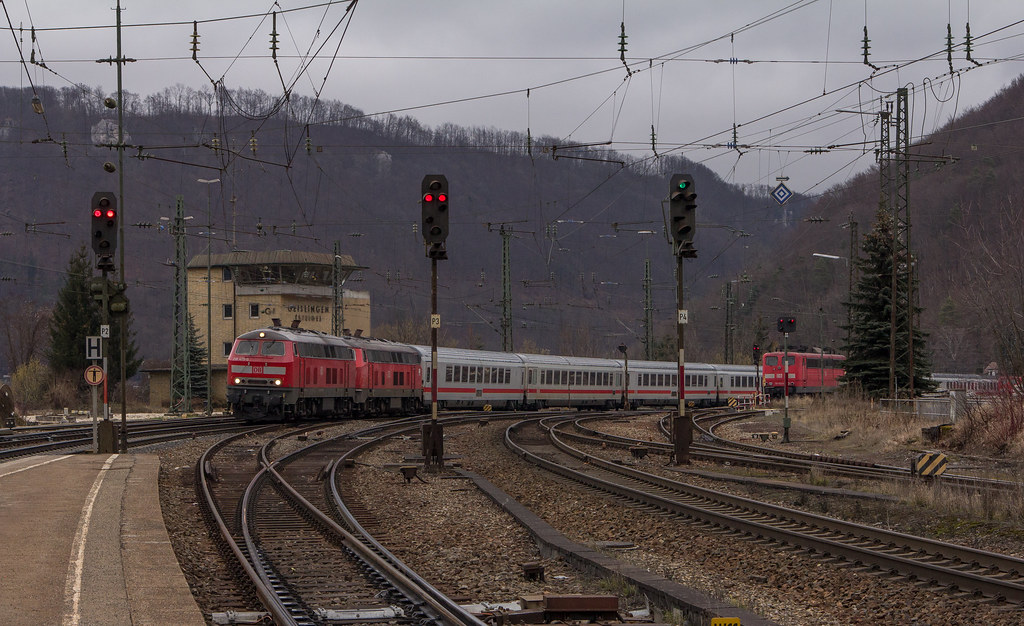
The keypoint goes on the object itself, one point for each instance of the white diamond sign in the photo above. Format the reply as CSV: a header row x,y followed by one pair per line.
x,y
782,193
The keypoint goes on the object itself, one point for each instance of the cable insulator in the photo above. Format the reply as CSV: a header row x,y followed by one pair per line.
x,y
195,40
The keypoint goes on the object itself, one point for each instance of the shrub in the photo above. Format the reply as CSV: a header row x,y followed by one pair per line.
x,y
29,385
65,392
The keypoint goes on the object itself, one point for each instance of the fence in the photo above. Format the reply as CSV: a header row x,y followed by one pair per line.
x,y
944,409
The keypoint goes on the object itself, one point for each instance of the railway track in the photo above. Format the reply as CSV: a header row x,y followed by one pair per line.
x,y
836,465
78,438
302,565
723,451
997,577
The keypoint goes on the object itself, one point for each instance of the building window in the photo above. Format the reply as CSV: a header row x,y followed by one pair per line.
x,y
229,311
254,310
226,274
227,348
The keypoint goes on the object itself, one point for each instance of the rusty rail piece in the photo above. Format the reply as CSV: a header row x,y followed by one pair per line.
x,y
996,576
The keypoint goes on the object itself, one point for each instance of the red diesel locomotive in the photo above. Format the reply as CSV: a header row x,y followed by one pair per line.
x,y
277,373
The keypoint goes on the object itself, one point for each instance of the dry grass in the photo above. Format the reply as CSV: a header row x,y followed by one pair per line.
x,y
994,433
867,427
963,505
996,427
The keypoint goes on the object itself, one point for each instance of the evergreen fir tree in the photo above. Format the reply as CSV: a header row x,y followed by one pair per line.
x,y
197,355
867,355
75,317
131,350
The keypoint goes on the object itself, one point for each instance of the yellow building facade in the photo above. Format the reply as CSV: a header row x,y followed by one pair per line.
x,y
250,290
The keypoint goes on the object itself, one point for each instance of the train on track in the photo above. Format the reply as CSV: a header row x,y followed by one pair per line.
x,y
281,373
813,372
808,372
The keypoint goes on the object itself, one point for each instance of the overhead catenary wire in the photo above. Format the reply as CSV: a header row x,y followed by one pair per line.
x,y
778,145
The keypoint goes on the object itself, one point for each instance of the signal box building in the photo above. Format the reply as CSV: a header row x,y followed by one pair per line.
x,y
250,290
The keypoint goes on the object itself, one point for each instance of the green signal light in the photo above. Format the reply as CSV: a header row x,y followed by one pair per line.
x,y
683,184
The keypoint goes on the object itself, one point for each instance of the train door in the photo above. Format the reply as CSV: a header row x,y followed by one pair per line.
x,y
530,383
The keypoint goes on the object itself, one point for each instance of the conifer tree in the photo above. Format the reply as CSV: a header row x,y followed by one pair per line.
x,y
131,351
75,317
197,355
867,354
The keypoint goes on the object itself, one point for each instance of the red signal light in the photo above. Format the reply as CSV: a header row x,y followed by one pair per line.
x,y
97,213
442,197
111,213
428,197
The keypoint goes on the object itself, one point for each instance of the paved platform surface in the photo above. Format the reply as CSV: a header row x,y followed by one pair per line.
x,y
84,544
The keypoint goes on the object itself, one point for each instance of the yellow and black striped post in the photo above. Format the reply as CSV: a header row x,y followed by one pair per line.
x,y
929,464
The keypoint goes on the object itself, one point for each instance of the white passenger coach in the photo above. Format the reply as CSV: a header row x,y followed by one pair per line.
x,y
472,379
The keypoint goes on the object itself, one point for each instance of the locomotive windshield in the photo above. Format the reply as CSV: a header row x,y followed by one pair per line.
x,y
273,348
247,348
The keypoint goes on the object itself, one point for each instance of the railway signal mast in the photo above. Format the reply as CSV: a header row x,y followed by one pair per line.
x,y
110,295
787,324
682,197
434,217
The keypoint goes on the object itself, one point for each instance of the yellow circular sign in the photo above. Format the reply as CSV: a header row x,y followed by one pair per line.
x,y
94,375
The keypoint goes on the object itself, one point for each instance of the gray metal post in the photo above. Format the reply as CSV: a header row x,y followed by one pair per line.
x,y
785,386
120,193
682,433
648,313
506,290
209,294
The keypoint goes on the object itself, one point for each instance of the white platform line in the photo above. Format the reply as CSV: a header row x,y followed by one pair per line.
x,y
73,586
28,467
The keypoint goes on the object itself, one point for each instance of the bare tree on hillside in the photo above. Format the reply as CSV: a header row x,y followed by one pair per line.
x,y
25,327
995,263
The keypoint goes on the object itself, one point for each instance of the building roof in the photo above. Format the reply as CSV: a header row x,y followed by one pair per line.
x,y
273,257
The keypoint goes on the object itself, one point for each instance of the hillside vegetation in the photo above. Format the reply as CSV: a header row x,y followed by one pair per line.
x,y
303,174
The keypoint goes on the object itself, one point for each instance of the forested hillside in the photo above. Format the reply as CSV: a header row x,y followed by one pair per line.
x,y
302,174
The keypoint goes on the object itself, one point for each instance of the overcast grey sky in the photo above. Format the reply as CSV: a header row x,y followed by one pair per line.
x,y
796,64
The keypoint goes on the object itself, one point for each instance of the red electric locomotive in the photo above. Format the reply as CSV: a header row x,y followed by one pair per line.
x,y
809,372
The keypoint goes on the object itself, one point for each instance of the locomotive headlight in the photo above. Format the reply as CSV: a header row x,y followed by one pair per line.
x,y
277,381
238,381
